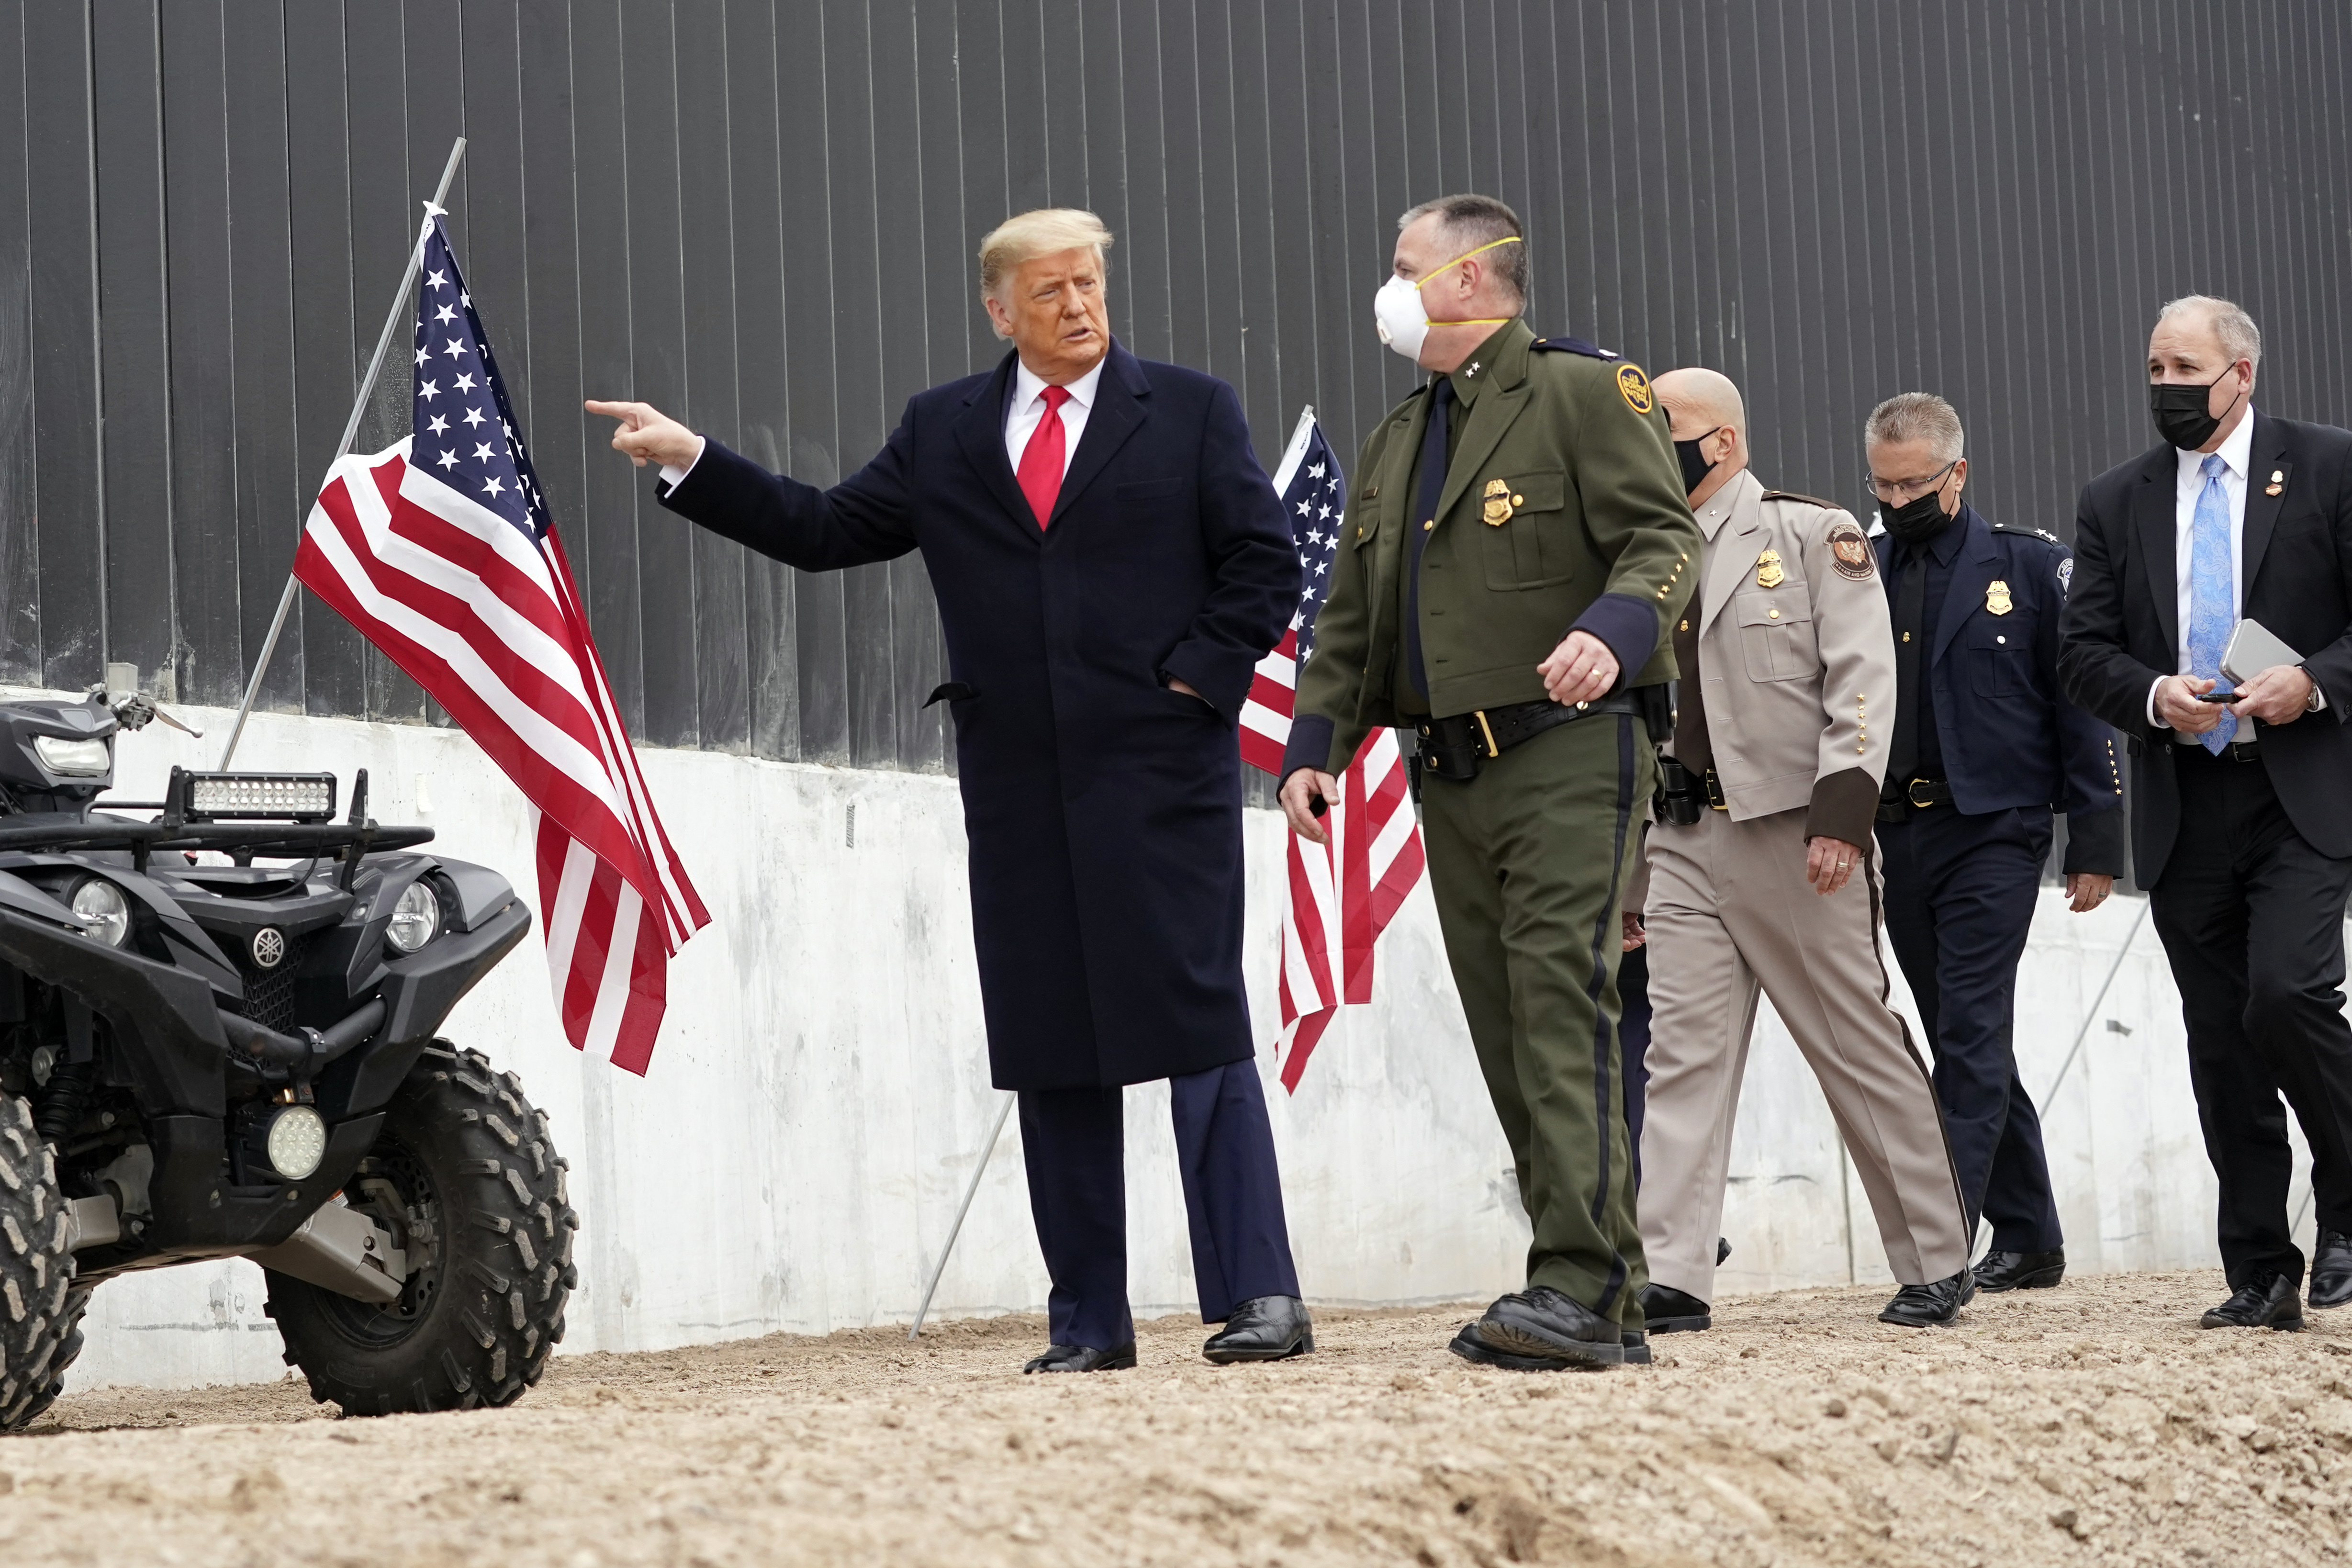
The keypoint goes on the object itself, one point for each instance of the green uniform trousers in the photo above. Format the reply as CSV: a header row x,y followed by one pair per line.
x,y
1528,862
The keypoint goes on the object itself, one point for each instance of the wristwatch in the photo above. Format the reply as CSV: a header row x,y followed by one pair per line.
x,y
2313,701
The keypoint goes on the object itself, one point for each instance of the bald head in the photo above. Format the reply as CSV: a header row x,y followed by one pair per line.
x,y
1708,421
1699,399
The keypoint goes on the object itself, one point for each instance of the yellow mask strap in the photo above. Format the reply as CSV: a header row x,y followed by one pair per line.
x,y
1474,320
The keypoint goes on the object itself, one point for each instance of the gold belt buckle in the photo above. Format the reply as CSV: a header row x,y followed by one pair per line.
x,y
1487,730
1911,793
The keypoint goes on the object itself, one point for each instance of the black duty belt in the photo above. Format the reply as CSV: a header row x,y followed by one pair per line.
x,y
1919,794
1453,747
1683,797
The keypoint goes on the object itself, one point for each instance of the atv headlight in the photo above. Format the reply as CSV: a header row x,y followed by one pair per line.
x,y
298,1142
415,919
86,759
104,911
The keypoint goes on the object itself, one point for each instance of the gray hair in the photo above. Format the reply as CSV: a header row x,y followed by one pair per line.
x,y
1471,221
1917,416
1025,237
2241,338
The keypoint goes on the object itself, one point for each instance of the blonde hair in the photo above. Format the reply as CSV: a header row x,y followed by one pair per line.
x,y
1025,237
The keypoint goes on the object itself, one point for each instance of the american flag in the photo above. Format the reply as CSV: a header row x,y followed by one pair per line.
x,y
441,552
1343,894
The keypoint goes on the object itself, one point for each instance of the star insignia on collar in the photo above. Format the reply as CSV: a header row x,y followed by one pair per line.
x,y
1474,368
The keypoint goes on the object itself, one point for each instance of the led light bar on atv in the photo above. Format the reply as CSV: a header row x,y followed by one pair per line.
x,y
254,798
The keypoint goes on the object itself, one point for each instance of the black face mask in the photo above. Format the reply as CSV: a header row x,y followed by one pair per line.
x,y
1917,520
2181,413
1695,468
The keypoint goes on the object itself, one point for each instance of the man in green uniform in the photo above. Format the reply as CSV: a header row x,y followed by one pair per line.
x,y
1517,540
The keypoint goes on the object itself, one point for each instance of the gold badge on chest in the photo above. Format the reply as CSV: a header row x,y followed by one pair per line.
x,y
1496,510
1768,569
1997,599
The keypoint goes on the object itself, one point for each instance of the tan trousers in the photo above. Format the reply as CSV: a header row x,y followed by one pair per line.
x,y
1730,910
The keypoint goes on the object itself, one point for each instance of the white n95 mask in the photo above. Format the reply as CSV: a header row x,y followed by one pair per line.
x,y
1403,322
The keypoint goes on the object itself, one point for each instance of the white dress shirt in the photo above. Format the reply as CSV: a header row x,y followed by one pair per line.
x,y
1026,407
2236,452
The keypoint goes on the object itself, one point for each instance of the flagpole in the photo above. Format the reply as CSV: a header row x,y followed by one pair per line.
x,y
351,433
956,1229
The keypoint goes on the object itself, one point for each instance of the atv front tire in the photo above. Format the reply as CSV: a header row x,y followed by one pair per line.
x,y
40,1311
466,1179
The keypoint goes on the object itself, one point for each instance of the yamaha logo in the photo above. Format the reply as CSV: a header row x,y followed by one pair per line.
x,y
269,948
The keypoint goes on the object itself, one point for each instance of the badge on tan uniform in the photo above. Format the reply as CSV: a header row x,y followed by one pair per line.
x,y
1850,552
1768,569
1635,388
1997,599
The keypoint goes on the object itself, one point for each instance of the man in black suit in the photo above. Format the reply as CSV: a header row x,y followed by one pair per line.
x,y
2239,829
1110,565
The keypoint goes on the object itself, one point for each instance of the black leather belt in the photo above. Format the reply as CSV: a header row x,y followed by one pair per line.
x,y
2235,751
1919,794
1453,747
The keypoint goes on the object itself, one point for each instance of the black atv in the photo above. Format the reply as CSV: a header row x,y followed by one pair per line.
x,y
216,1040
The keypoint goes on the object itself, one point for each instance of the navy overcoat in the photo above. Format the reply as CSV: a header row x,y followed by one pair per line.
x,y
1103,810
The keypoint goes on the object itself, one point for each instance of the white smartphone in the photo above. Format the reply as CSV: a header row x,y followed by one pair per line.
x,y
2253,649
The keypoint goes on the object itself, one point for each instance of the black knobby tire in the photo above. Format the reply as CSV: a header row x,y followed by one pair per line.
x,y
465,1177
40,1310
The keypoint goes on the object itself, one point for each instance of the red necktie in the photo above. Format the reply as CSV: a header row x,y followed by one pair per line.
x,y
1041,460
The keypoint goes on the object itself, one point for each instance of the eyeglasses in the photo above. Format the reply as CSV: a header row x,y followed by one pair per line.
x,y
1894,492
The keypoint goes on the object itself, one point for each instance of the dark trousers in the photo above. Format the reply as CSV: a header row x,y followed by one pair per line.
x,y
1073,1142
2252,918
1959,901
1634,1043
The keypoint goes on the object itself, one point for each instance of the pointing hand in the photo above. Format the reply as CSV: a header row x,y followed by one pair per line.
x,y
647,434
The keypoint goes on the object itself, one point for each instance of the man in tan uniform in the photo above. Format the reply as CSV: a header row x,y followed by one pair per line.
x,y
1787,704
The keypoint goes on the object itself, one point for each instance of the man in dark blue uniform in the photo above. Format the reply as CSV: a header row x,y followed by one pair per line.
x,y
1984,749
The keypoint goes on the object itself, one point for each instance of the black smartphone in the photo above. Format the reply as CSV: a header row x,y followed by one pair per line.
x,y
2218,696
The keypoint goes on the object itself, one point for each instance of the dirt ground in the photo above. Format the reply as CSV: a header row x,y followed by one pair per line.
x,y
2090,1424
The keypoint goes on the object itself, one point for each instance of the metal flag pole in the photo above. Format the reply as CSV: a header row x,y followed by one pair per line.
x,y
351,432
970,1191
2114,969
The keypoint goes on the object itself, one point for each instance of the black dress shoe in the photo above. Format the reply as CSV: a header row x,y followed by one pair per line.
x,y
1540,1330
2269,1302
2021,1270
1084,1358
1924,1306
1637,1348
1670,1311
2331,1269
1263,1328
1722,1252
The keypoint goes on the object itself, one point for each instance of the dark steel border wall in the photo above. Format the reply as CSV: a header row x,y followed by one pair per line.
x,y
761,215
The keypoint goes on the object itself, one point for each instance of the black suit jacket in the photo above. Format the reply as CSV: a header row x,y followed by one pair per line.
x,y
2122,623
1102,810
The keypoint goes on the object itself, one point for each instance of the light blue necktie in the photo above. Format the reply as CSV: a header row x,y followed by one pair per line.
x,y
2211,612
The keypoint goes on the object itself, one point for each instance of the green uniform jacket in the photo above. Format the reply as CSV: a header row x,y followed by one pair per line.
x,y
1563,509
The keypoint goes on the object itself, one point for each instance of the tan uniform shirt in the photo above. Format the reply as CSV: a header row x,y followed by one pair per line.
x,y
1796,658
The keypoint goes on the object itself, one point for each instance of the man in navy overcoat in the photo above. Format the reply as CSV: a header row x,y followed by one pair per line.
x,y
1110,563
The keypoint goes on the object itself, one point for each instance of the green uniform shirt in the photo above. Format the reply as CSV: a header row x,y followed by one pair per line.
x,y
1563,509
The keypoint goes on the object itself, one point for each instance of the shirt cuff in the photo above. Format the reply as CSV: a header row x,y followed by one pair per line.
x,y
1844,807
2153,721
1309,745
671,473
1629,626
2319,693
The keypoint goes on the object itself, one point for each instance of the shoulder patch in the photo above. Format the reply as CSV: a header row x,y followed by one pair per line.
x,y
2066,575
2042,533
1634,387
1808,501
1574,346
1850,552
